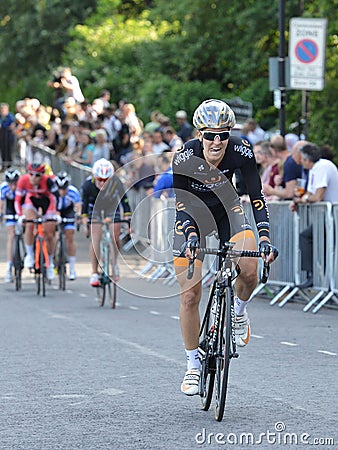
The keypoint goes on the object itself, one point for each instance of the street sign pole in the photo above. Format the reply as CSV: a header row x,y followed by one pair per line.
x,y
281,66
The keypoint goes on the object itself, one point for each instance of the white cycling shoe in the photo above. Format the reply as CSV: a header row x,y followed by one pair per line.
x,y
242,330
190,384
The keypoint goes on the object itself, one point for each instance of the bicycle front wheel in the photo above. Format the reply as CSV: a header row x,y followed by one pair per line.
x,y
207,363
61,262
101,291
225,346
18,256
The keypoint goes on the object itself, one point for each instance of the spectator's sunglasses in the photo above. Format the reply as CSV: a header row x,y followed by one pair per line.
x,y
101,180
211,135
35,174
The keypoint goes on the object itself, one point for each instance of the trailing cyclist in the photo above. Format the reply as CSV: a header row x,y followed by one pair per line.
x,y
207,202
36,190
7,196
103,192
69,207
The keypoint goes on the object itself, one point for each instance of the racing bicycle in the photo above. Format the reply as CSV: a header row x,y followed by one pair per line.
x,y
60,252
107,278
19,251
217,332
41,257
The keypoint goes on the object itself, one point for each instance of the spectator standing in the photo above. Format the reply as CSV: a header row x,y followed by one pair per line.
x,y
7,125
255,133
159,145
164,185
101,147
185,130
173,140
292,169
322,187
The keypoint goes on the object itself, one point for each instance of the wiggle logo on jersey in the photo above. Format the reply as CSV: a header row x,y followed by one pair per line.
x,y
213,180
180,206
243,150
183,156
258,204
179,227
238,210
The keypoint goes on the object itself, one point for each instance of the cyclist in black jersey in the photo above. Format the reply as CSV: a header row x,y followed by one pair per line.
x,y
206,201
103,192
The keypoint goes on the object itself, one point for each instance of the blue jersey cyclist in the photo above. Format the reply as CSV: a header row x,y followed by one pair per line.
x,y
7,196
68,204
206,202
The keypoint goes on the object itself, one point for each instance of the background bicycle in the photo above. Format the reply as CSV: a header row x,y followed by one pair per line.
x,y
41,257
19,251
107,267
61,258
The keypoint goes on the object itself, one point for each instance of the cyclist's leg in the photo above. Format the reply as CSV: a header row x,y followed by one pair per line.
x,y
94,245
30,213
70,248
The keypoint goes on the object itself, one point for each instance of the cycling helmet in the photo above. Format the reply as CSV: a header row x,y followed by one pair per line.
x,y
62,180
214,114
103,169
12,175
36,167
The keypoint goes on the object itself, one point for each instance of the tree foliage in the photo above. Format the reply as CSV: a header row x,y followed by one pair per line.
x,y
163,55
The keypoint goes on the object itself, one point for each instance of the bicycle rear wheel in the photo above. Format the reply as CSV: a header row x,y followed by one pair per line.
x,y
225,346
208,363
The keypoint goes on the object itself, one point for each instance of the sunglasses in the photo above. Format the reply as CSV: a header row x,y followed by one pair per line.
x,y
211,135
35,174
101,180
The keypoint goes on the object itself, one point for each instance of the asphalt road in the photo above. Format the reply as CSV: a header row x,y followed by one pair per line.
x,y
77,376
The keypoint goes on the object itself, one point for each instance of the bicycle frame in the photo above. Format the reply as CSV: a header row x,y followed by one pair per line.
x,y
217,333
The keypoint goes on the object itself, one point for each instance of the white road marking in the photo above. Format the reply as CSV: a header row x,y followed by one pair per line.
x,y
83,295
257,336
290,344
110,391
155,313
327,353
58,316
175,317
69,291
70,396
134,308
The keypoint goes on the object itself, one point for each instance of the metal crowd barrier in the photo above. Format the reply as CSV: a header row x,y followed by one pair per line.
x,y
39,153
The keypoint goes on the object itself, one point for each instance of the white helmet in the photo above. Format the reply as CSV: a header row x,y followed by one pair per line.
x,y
214,114
103,169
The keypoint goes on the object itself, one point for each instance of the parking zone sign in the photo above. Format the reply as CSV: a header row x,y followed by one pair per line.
x,y
307,53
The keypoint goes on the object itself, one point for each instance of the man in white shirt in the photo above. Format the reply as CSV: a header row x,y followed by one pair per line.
x,y
322,187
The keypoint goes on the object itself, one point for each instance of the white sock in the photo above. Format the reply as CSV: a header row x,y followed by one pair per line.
x,y
9,265
29,250
50,260
240,306
72,260
193,361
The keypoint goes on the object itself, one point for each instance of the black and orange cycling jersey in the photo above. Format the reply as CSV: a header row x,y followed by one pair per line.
x,y
198,185
109,199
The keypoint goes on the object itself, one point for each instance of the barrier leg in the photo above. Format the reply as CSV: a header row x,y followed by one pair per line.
x,y
325,300
145,269
313,301
288,297
279,295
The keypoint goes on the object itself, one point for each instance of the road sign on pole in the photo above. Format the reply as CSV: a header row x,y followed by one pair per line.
x,y
307,53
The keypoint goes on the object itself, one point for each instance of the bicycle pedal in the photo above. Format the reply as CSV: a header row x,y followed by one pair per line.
x,y
235,355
